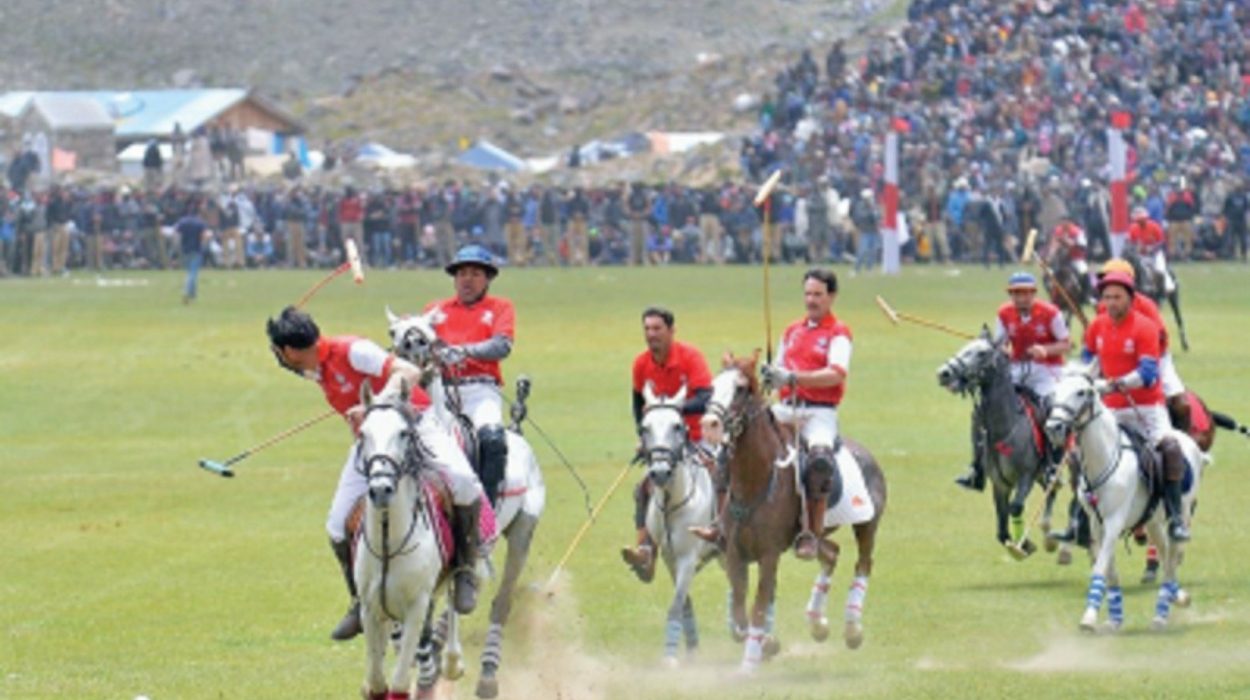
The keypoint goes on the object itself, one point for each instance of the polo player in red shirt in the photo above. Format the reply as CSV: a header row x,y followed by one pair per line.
x,y
479,330
1126,344
340,365
669,365
813,360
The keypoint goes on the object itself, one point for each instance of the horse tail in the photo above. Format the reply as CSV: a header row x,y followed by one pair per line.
x,y
1227,422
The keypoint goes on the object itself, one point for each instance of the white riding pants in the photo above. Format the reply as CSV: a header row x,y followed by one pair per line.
x,y
448,460
1151,421
482,403
817,425
1172,385
1036,376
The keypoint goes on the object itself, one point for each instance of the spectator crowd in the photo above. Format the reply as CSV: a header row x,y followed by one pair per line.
x,y
1003,109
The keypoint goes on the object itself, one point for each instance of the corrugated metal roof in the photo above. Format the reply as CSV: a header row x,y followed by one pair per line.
x,y
66,111
145,113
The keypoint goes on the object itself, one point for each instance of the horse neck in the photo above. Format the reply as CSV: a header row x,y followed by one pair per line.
x,y
751,465
438,398
1000,405
681,481
1098,440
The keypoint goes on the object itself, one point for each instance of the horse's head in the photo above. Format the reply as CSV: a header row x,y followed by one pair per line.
x,y
413,337
386,442
1074,401
971,365
732,388
662,433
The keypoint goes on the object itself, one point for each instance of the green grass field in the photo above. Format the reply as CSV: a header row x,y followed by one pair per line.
x,y
128,571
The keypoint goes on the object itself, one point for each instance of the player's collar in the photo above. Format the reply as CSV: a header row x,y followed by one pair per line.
x,y
826,321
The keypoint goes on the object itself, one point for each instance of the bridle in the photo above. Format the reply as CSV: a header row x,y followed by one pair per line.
x,y
664,453
734,418
1073,417
414,457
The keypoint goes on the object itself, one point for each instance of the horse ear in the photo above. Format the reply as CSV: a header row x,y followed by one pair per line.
x,y
985,331
391,318
680,397
727,359
648,393
755,357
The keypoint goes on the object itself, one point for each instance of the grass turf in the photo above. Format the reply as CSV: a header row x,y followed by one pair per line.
x,y
130,571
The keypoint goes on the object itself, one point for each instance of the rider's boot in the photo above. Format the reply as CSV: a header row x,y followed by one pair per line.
x,y
1173,470
350,625
1179,413
974,478
492,445
464,527
1071,534
822,483
641,557
713,532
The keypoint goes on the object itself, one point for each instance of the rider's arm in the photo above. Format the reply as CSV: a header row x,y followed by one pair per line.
x,y
834,373
497,348
638,404
402,371
695,405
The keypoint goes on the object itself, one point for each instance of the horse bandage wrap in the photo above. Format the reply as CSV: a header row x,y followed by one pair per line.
x,y
493,459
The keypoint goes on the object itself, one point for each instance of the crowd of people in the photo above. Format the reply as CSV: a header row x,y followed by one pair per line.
x,y
1003,109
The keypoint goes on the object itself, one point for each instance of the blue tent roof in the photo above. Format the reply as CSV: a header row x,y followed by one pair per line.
x,y
488,156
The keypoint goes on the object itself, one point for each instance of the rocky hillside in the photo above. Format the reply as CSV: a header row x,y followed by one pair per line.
x,y
422,74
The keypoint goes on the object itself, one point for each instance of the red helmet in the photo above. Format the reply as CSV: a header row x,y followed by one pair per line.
x,y
1119,278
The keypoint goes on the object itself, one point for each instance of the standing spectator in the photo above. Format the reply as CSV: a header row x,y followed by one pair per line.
x,y
192,234
351,216
408,222
638,208
1236,209
710,226
295,213
35,225
153,167
549,218
59,215
1182,207
377,229
867,220
516,239
579,213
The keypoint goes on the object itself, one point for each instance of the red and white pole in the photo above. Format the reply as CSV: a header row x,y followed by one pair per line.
x,y
1117,151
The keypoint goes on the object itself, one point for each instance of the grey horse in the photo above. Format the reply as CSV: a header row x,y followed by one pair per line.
x,y
1006,437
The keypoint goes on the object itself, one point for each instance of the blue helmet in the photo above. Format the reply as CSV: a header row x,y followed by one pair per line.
x,y
1021,280
473,255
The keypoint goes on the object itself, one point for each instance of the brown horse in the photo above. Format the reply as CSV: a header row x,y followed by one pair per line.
x,y
1067,287
762,515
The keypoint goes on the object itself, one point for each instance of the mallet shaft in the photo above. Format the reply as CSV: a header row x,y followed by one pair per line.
x,y
594,515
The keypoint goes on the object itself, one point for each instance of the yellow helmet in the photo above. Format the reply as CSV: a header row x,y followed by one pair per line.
x,y
1117,265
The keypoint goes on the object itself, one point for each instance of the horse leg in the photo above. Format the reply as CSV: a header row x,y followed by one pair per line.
x,y
1049,543
1174,300
739,580
1169,589
817,622
417,632
754,650
690,626
520,536
865,538
1020,547
375,632
1103,543
448,652
683,574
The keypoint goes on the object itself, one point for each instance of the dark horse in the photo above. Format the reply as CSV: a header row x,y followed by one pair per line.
x,y
1067,287
1152,282
761,519
1012,448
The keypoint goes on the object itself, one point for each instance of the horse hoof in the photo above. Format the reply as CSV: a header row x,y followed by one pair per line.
x,y
739,635
771,647
1159,624
1050,544
1150,576
1016,551
1113,626
670,662
453,667
487,688
1089,621
747,669
854,635
1182,598
425,693
1064,558
819,626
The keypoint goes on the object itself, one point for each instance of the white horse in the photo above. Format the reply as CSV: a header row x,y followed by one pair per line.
x,y
521,500
1117,497
683,497
398,565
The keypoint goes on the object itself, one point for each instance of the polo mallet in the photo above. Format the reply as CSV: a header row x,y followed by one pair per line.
x,y
764,197
352,263
896,316
594,515
1030,251
223,468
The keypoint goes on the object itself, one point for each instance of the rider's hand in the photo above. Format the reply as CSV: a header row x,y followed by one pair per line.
x,y
453,354
775,376
1037,352
354,417
1103,386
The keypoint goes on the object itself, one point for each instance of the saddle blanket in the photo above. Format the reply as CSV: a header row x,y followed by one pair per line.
x,y
855,506
441,525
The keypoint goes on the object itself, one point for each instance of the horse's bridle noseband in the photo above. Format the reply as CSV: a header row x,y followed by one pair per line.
x,y
661,452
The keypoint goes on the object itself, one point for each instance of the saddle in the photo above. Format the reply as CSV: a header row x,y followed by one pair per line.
x,y
437,494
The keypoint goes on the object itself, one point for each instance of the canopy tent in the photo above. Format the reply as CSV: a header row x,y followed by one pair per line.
x,y
487,156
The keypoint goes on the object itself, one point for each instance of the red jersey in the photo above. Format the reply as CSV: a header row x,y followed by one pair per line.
x,y
344,363
1071,237
808,346
351,210
1146,306
1146,234
458,324
1043,325
1119,348
684,366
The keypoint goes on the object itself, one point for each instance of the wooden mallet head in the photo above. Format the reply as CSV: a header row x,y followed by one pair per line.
x,y
353,259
